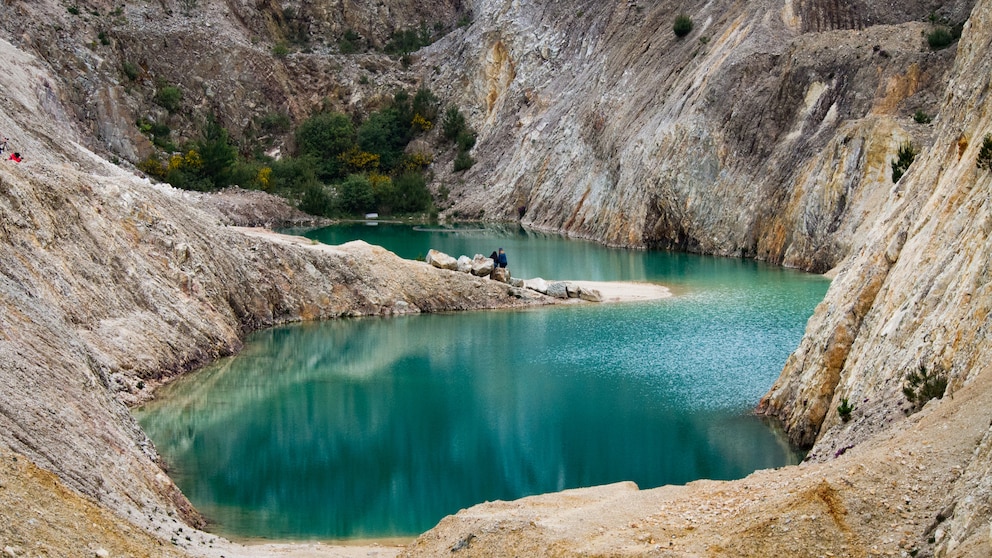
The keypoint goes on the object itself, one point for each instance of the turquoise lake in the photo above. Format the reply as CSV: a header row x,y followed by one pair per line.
x,y
379,427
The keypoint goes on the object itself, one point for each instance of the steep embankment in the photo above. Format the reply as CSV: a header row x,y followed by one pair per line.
x,y
110,283
766,132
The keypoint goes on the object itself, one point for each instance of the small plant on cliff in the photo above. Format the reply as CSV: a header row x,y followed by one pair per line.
x,y
904,158
941,37
280,50
131,70
985,153
350,42
922,385
921,117
169,97
682,25
844,410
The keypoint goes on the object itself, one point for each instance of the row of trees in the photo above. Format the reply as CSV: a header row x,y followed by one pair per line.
x,y
341,166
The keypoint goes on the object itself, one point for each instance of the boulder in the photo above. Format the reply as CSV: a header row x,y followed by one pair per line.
x,y
537,284
441,260
482,265
465,265
573,290
591,295
500,274
557,289
516,282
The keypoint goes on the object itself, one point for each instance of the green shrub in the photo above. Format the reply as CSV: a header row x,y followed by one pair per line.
x,y
104,39
350,42
426,104
275,123
355,194
466,140
463,161
682,25
921,117
280,50
845,410
408,40
131,70
453,123
292,175
317,201
169,97
412,194
922,385
985,153
941,37
905,157
217,154
324,137
74,10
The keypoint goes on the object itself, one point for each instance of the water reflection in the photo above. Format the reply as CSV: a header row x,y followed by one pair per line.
x,y
380,427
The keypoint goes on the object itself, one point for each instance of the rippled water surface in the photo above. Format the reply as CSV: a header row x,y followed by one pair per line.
x,y
380,427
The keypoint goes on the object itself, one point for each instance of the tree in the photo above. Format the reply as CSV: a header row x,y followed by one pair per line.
x,y
453,124
355,194
216,153
325,137
385,134
904,158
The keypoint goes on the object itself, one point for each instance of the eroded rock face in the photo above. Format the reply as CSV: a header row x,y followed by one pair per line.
x,y
765,133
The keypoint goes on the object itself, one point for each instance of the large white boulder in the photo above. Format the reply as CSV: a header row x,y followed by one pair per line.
x,y
482,265
465,265
536,284
441,260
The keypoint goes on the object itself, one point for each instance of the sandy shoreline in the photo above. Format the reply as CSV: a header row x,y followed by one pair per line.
x,y
626,291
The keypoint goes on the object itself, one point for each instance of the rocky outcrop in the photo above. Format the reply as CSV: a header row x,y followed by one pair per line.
x,y
111,284
765,133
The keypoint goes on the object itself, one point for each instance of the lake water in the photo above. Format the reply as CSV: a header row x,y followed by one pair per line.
x,y
379,427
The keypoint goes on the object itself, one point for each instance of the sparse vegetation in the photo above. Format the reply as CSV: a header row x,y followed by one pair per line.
x,y
904,158
940,38
169,97
409,40
280,50
455,129
463,161
844,410
682,26
985,154
921,117
922,385
131,70
74,10
350,42
343,165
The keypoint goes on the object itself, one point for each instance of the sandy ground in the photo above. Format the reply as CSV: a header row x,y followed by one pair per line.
x,y
626,291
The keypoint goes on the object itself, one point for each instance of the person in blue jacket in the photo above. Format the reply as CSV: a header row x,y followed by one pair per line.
x,y
501,258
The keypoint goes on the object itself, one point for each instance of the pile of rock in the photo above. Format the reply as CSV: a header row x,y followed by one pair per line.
x,y
563,289
482,266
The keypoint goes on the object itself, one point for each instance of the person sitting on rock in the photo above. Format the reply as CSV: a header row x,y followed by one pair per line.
x,y
501,258
3,144
16,157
